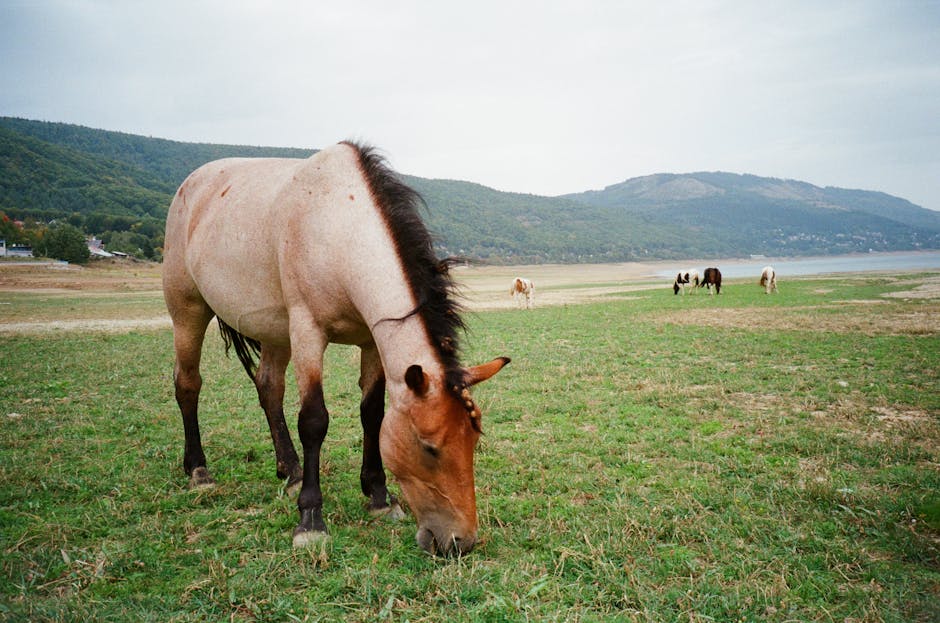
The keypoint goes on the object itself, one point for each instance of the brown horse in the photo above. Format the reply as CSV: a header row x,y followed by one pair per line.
x,y
291,255
711,277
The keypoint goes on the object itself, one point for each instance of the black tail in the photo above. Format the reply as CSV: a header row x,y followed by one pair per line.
x,y
245,347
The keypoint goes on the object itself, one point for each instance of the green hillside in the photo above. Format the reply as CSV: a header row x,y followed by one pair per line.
x,y
479,222
42,177
170,161
118,186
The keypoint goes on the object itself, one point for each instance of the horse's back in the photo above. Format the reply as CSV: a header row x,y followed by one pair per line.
x,y
239,230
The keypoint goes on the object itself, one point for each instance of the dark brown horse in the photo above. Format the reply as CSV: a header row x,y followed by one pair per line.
x,y
292,255
711,277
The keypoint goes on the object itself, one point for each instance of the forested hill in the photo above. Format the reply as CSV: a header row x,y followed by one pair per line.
x,y
106,182
171,161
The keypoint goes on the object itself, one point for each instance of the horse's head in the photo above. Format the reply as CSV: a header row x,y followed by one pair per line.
x,y
427,441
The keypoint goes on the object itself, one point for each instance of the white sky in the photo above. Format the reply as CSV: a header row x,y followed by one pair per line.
x,y
544,97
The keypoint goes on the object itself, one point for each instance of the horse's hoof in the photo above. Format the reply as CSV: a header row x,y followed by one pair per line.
x,y
200,478
392,513
293,487
311,538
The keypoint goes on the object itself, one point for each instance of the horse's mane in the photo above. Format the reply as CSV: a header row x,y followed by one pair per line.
x,y
428,276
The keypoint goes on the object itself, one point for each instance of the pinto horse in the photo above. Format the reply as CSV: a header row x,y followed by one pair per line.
x,y
294,254
768,280
686,280
711,277
523,292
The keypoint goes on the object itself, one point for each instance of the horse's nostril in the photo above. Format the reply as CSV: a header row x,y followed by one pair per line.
x,y
464,545
439,545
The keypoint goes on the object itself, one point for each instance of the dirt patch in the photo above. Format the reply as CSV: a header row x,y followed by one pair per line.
x,y
487,287
928,288
99,276
113,325
892,415
849,319
490,301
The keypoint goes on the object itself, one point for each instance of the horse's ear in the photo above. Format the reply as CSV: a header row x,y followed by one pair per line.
x,y
478,374
416,380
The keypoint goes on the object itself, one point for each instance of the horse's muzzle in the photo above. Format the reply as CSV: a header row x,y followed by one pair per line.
x,y
440,545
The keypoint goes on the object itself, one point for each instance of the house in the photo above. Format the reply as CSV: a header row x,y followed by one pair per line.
x,y
96,248
15,250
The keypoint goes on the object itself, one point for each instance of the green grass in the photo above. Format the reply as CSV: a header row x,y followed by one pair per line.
x,y
634,467
38,307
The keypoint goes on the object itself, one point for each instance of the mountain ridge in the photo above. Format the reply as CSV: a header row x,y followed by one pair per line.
x,y
48,168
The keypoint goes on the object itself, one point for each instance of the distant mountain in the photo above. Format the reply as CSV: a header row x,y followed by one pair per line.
x,y
770,216
110,180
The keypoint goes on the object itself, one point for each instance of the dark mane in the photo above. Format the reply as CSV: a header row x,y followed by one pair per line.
x,y
428,276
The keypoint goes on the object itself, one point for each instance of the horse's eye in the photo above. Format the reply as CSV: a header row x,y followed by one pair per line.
x,y
430,450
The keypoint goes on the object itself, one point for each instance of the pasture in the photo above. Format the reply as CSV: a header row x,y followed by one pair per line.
x,y
645,457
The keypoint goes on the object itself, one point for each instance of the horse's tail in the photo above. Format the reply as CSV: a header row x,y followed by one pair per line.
x,y
245,347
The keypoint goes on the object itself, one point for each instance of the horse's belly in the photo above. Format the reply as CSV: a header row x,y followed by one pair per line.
x,y
267,325
249,301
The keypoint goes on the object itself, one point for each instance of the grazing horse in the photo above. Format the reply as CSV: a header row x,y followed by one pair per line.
x,y
523,291
686,280
712,277
768,280
294,254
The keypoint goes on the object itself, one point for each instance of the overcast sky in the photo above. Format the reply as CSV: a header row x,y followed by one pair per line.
x,y
540,97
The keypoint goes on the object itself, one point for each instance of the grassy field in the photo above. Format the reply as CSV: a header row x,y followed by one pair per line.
x,y
646,458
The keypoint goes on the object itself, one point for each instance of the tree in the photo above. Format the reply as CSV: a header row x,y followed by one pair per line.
x,y
65,242
128,242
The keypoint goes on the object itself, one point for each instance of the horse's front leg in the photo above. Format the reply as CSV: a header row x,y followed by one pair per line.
x,y
269,381
312,424
371,413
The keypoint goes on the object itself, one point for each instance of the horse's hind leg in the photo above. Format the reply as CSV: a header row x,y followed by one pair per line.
x,y
269,382
188,333
371,413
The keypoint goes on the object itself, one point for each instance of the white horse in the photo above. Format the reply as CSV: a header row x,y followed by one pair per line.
x,y
523,291
686,280
768,279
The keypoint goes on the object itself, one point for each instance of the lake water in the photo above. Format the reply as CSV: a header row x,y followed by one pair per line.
x,y
924,260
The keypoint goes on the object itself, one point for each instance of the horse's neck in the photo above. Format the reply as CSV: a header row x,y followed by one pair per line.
x,y
386,304
402,344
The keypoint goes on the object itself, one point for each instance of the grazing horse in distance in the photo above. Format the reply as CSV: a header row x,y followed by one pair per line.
x,y
294,254
523,292
768,280
712,277
686,280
